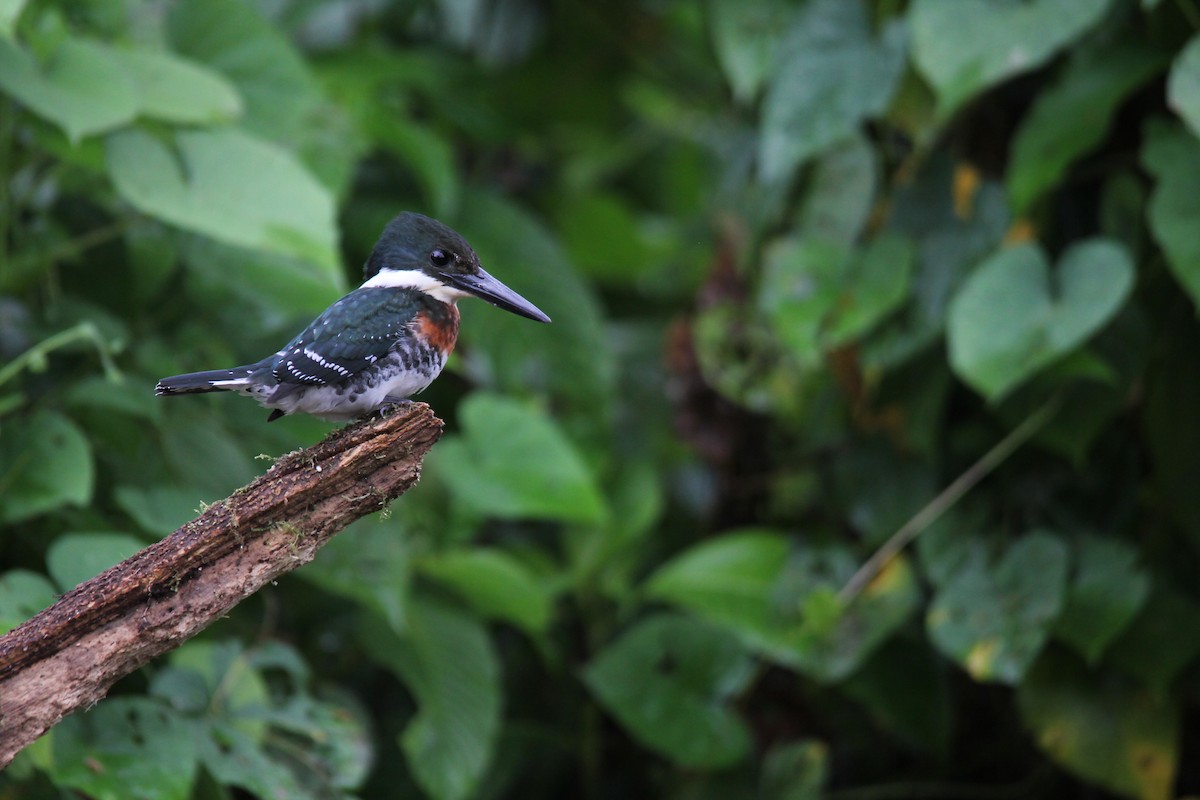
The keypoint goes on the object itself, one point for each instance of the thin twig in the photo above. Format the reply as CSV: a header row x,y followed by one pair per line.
x,y
947,498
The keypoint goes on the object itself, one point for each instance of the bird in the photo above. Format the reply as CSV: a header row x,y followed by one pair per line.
x,y
381,343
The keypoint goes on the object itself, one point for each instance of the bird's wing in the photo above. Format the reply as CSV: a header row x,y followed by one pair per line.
x,y
350,336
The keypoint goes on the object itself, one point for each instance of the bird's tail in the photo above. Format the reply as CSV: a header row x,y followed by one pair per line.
x,y
213,380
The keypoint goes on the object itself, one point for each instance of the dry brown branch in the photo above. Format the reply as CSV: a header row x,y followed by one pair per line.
x,y
69,655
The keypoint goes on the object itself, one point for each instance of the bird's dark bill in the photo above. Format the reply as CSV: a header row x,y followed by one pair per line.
x,y
486,287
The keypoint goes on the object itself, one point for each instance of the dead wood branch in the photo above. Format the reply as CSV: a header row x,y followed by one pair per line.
x,y
69,655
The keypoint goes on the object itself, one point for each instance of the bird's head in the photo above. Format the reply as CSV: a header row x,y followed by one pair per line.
x,y
417,252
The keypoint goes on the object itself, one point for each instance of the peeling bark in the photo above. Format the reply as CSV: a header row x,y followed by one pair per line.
x,y
68,656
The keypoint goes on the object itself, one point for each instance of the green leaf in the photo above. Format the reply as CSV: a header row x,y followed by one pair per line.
x,y
904,688
841,192
995,620
782,603
495,584
281,96
205,453
177,90
520,357
83,88
1155,647
231,186
1105,731
1183,85
76,557
513,462
1071,117
10,12
158,510
795,771
1173,158
1105,594
369,563
23,594
1008,321
746,40
966,46
126,748
820,296
832,74
45,463
669,681
447,662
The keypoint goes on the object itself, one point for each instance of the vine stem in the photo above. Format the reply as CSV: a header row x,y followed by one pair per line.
x,y
946,499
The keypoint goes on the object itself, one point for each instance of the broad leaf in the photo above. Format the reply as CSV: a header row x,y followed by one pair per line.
x,y
126,748
1173,158
176,90
1071,117
746,39
841,192
45,463
1104,730
495,584
833,73
1105,594
229,185
670,681
84,88
1157,645
1011,318
819,295
994,619
513,462
966,46
370,563
1183,86
447,662
782,602
22,594
76,557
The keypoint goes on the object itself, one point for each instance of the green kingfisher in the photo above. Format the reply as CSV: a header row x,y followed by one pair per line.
x,y
378,345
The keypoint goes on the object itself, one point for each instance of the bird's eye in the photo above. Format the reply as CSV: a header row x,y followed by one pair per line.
x,y
440,258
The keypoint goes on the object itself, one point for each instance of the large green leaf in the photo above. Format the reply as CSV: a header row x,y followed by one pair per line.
x,y
966,46
495,584
174,89
819,295
833,73
126,748
1071,117
22,594
1105,594
229,185
83,88
1183,86
1156,647
1108,732
994,619
1173,158
781,602
572,358
370,562
746,40
76,557
281,96
1011,319
669,681
841,192
445,659
45,463
514,462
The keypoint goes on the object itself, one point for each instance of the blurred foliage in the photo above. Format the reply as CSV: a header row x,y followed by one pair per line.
x,y
808,261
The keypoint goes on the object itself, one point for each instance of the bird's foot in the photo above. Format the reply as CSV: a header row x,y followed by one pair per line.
x,y
393,404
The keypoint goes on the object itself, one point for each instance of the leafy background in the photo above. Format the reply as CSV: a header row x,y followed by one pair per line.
x,y
815,268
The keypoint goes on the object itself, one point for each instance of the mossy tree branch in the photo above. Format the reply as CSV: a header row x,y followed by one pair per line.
x,y
68,656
